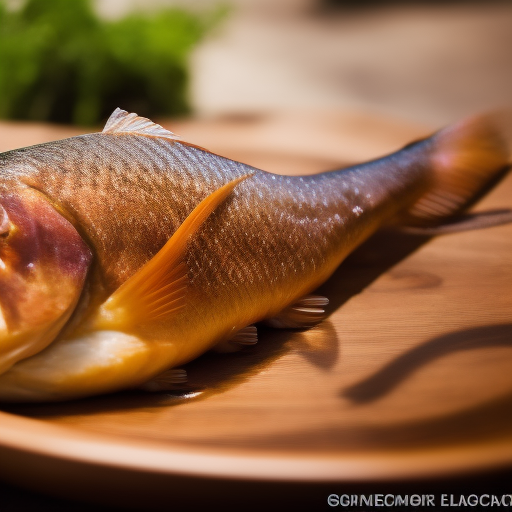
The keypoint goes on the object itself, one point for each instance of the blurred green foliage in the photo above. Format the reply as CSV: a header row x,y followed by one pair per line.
x,y
60,62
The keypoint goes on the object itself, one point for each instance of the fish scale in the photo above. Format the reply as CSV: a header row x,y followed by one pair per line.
x,y
266,241
163,186
311,243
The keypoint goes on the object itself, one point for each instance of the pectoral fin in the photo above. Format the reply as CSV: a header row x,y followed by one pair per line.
x,y
158,290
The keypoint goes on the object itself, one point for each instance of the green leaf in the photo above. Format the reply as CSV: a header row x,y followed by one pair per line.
x,y
60,62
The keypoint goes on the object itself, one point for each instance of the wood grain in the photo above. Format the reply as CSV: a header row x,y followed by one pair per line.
x,y
410,374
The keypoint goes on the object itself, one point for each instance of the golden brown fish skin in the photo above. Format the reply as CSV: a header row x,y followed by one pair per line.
x,y
275,239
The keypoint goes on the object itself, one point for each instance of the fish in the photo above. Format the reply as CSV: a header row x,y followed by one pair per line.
x,y
127,253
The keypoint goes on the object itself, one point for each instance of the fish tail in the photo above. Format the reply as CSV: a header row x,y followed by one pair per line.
x,y
466,160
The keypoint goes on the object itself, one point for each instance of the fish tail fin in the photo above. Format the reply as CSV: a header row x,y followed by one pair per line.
x,y
467,160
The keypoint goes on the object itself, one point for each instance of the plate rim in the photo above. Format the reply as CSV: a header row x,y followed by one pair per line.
x,y
154,456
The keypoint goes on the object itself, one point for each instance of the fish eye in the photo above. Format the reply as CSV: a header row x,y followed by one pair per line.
x,y
5,225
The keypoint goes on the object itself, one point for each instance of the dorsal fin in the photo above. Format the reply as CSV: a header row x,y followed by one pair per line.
x,y
123,122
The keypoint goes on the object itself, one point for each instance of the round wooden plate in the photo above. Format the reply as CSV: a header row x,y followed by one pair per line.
x,y
409,376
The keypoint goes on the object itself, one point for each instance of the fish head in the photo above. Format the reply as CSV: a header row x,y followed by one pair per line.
x,y
43,266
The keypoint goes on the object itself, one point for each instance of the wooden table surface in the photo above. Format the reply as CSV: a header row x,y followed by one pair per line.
x,y
409,376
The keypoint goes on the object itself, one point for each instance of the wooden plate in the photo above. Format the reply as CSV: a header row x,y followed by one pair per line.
x,y
408,377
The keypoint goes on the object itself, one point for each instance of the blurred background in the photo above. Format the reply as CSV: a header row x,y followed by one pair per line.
x,y
429,62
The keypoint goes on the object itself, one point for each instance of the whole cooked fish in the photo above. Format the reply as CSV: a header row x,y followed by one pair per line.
x,y
126,253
